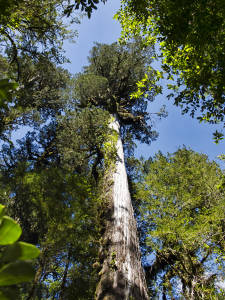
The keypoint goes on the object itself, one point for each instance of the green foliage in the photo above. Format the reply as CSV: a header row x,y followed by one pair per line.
x,y
31,24
5,88
42,94
16,272
61,217
10,231
91,127
183,213
20,251
191,38
112,82
217,136
39,27
31,38
15,267
86,5
5,10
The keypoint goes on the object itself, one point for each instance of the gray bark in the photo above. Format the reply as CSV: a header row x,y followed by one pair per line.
x,y
121,276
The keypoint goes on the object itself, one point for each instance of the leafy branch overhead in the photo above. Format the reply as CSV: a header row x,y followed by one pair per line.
x,y
39,27
190,35
84,5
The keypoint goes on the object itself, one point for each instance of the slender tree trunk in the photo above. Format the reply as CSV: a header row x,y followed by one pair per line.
x,y
33,290
122,276
38,276
63,283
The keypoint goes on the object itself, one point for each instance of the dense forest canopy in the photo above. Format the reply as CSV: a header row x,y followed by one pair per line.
x,y
56,181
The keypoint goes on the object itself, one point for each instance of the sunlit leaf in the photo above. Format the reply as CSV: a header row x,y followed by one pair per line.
x,y
10,231
1,210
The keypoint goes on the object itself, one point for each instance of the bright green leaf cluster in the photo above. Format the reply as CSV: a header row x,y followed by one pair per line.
x,y
15,267
190,37
183,210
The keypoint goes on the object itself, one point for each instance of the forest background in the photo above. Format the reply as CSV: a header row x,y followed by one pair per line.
x,y
74,164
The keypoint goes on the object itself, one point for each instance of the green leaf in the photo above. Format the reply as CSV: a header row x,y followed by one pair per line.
x,y
10,231
2,208
20,251
9,293
16,272
3,296
218,136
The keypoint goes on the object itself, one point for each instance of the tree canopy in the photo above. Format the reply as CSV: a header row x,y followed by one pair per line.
x,y
51,192
32,34
182,208
113,81
27,25
190,35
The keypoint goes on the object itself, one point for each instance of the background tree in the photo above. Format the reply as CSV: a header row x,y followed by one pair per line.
x,y
39,97
53,218
186,32
26,25
31,37
61,217
182,207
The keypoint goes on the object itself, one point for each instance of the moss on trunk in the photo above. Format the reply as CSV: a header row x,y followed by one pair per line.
x,y
121,275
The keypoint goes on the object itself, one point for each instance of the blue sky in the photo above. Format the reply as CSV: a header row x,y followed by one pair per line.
x,y
174,131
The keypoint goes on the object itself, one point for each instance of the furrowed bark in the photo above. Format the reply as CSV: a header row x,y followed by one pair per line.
x,y
121,276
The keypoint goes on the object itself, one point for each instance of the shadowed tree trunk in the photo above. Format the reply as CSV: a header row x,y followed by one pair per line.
x,y
37,279
65,274
122,275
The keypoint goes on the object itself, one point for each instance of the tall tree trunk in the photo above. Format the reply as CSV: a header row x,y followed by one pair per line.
x,y
121,276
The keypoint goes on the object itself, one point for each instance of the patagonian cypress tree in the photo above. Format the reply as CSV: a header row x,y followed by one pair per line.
x,y
113,82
